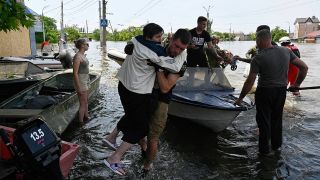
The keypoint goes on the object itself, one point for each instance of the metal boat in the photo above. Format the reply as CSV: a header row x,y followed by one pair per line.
x,y
117,55
206,97
54,99
203,95
18,75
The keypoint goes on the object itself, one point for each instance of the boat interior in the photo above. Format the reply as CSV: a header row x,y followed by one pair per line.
x,y
18,75
10,70
32,101
208,88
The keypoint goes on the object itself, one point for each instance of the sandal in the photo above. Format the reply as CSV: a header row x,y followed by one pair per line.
x,y
115,167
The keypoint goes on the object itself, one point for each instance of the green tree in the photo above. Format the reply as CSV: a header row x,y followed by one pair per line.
x,y
53,35
278,33
252,36
96,34
125,34
224,36
50,28
72,33
49,23
14,15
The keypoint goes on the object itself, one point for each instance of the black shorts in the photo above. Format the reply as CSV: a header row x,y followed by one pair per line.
x,y
135,123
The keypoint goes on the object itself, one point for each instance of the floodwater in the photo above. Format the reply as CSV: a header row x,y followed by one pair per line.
x,y
189,151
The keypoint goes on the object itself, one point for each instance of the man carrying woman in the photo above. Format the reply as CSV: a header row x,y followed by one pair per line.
x,y
136,81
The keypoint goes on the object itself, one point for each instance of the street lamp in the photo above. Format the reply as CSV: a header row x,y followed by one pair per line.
x,y
289,27
44,32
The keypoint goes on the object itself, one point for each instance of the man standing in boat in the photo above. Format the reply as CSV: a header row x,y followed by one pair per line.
x,y
196,56
272,64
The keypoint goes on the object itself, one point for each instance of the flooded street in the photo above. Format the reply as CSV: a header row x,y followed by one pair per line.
x,y
189,151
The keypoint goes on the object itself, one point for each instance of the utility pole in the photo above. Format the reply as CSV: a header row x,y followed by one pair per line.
x,y
62,40
104,4
289,27
61,24
230,33
43,29
87,28
100,24
210,21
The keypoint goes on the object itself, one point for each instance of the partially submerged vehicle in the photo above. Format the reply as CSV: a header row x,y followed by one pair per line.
x,y
54,99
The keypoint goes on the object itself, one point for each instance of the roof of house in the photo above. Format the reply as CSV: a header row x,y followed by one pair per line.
x,y
30,11
304,20
313,34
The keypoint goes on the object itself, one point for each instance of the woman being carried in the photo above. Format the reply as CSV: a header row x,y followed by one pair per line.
x,y
136,80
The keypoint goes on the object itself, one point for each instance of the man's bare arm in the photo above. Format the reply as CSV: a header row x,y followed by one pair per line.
x,y
166,83
303,70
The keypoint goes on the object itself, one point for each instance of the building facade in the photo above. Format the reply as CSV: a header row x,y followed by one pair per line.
x,y
304,26
20,42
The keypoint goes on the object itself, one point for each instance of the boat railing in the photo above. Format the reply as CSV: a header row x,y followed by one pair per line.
x,y
19,113
203,79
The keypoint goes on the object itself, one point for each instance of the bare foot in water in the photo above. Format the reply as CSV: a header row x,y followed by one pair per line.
x,y
86,118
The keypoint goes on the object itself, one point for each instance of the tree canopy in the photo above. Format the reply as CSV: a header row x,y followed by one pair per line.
x,y
49,23
224,36
278,33
125,34
14,15
72,33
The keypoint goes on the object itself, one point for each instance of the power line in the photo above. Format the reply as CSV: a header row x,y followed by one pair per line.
x,y
145,10
147,4
77,6
266,10
81,10
257,10
57,7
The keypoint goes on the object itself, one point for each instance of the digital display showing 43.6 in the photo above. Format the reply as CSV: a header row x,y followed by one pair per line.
x,y
38,137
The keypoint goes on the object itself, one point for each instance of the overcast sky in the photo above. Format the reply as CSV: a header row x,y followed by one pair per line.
x,y
239,15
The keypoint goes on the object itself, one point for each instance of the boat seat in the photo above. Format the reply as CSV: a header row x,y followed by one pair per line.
x,y
19,113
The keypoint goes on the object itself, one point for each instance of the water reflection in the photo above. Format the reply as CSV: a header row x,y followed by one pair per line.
x,y
189,151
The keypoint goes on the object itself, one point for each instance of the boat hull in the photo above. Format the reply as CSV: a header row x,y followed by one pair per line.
x,y
117,55
43,62
215,119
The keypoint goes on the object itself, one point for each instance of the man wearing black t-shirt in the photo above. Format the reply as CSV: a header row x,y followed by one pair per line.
x,y
196,55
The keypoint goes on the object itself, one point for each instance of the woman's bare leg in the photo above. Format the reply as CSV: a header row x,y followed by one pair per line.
x,y
82,100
